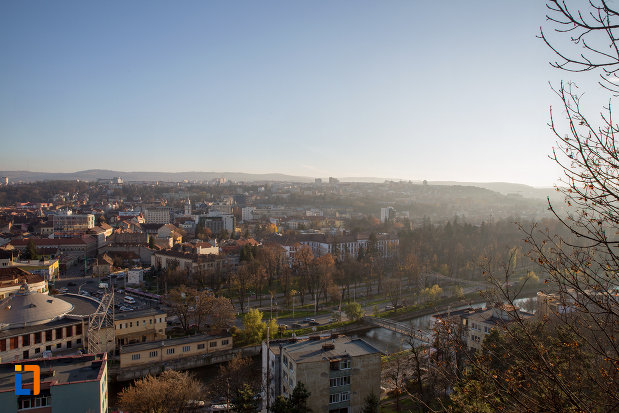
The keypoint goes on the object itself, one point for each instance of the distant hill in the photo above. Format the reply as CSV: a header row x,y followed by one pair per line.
x,y
92,175
507,188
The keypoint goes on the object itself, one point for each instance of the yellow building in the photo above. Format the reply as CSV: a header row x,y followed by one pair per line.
x,y
161,351
140,326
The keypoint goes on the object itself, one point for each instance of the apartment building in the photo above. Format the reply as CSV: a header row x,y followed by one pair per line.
x,y
157,215
339,372
172,349
67,384
477,323
73,223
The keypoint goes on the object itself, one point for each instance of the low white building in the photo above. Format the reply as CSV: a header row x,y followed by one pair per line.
x,y
135,276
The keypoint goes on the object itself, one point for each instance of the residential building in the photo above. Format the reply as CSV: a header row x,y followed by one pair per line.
x,y
344,246
339,372
387,214
477,323
84,247
190,261
73,223
173,349
157,215
67,384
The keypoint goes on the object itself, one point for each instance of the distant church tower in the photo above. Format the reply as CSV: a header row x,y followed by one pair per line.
x,y
188,208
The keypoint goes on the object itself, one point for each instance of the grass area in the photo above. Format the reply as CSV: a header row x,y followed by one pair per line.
x,y
406,405
300,313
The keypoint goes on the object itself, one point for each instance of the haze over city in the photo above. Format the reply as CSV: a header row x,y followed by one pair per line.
x,y
407,90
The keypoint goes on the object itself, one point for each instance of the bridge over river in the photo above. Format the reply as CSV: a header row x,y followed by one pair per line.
x,y
402,328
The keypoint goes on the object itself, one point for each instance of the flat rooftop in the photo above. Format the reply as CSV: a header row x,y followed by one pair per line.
x,y
307,351
67,370
82,306
147,312
152,345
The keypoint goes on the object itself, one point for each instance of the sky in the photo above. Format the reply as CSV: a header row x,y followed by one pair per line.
x,y
416,90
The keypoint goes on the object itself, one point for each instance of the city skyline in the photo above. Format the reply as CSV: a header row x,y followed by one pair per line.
x,y
398,90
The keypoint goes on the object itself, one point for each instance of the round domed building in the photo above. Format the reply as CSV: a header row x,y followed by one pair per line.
x,y
33,322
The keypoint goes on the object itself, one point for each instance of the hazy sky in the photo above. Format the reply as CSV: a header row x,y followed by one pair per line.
x,y
448,90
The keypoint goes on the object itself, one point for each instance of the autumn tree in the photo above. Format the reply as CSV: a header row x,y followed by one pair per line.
x,y
171,392
353,311
301,266
567,361
193,307
242,280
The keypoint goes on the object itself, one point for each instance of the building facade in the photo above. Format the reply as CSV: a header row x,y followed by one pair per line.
x,y
172,349
339,372
67,384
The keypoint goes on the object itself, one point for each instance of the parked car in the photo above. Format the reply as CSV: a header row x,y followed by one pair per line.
x,y
389,307
297,325
314,323
84,293
64,290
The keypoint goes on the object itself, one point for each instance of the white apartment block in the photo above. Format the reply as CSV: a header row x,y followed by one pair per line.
x,y
157,215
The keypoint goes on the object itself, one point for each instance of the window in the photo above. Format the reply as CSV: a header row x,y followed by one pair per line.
x,y
345,396
186,349
201,346
2,345
120,326
291,366
224,342
69,331
170,351
135,357
13,342
48,348
285,361
344,364
152,354
48,335
59,345
37,350
78,329
38,337
25,340
130,323
334,398
339,381
59,333
79,341
69,344
212,344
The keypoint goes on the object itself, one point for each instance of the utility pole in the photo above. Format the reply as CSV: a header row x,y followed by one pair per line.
x,y
268,370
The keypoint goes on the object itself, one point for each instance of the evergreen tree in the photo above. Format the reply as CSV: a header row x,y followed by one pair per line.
x,y
370,404
245,401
